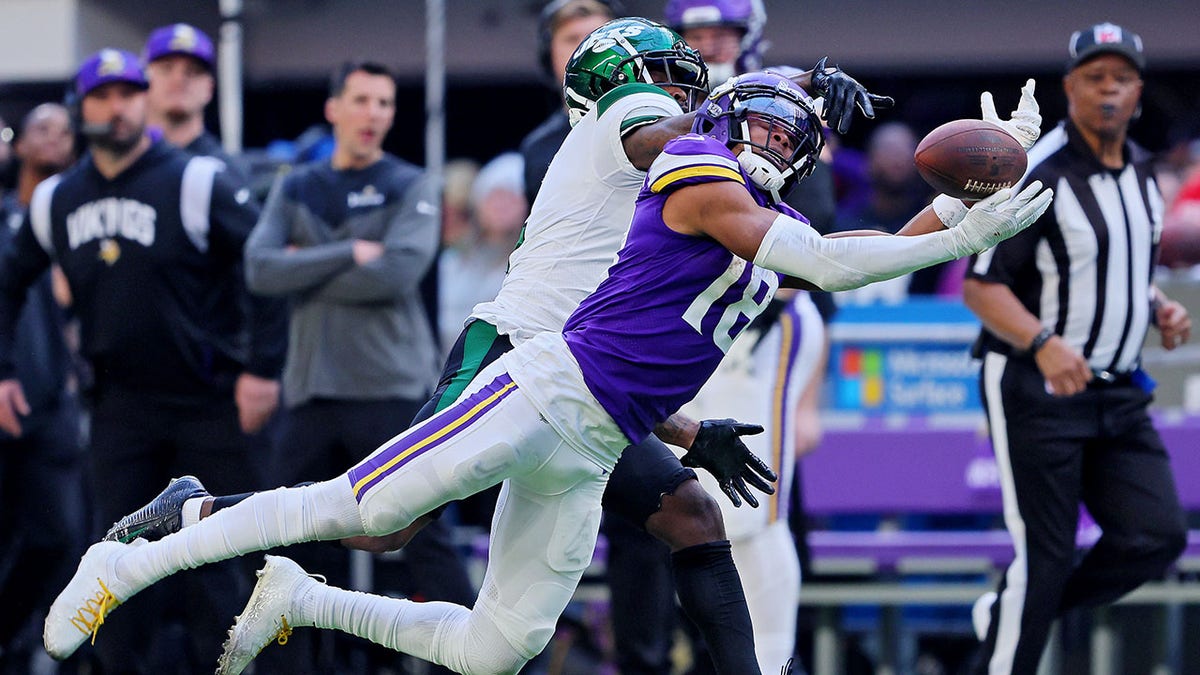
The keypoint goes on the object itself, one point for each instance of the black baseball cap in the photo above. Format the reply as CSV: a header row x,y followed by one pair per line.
x,y
1105,38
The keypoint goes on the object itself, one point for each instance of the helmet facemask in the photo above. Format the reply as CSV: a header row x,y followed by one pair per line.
x,y
680,68
772,127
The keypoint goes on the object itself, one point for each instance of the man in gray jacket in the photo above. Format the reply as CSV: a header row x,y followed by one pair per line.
x,y
348,242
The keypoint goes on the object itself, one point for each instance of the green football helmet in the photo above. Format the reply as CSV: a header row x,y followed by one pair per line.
x,y
629,50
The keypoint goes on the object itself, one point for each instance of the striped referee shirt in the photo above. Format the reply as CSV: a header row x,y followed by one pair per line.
x,y
1084,268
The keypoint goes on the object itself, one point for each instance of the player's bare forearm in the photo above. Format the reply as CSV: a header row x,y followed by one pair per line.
x,y
678,429
924,222
644,144
1001,312
804,79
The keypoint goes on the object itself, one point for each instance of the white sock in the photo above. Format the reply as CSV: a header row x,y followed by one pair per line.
x,y
264,520
440,632
191,511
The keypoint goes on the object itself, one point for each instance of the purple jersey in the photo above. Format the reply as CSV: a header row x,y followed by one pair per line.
x,y
656,328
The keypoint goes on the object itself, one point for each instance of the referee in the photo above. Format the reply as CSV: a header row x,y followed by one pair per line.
x,y
1065,307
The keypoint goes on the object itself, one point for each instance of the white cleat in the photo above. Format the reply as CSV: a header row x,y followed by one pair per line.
x,y
94,592
981,614
267,617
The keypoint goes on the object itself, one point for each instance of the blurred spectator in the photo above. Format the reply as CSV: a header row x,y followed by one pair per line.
x,y
728,33
472,269
1180,243
180,61
1175,163
179,66
457,228
896,192
851,179
8,167
349,240
155,289
42,523
498,201
561,27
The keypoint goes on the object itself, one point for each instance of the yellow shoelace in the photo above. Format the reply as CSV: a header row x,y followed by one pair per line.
x,y
90,617
284,633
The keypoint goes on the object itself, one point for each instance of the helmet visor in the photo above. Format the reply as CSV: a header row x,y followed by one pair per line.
x,y
783,131
679,71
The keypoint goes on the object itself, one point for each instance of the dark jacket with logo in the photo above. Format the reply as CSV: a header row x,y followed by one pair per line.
x,y
356,331
152,258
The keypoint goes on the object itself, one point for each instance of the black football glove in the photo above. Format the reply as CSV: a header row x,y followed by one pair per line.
x,y
842,94
719,451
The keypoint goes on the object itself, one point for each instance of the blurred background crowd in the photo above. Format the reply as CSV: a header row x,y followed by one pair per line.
x,y
476,79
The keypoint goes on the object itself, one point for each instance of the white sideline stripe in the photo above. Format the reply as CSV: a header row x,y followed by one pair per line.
x,y
1012,600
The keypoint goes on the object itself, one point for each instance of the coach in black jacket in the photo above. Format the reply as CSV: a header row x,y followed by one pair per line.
x,y
149,239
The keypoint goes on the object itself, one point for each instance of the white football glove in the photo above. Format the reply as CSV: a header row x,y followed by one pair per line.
x,y
999,217
1026,122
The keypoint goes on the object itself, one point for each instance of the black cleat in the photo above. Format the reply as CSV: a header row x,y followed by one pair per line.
x,y
162,516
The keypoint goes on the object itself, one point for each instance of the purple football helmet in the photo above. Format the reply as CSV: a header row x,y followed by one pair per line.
x,y
747,15
784,113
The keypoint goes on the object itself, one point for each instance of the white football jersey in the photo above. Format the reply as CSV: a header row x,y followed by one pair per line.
x,y
579,219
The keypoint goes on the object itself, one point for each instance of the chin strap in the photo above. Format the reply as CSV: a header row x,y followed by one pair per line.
x,y
764,174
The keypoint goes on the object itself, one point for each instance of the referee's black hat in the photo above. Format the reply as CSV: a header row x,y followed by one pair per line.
x,y
1105,38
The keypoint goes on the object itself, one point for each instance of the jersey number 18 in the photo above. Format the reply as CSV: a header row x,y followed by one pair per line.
x,y
762,283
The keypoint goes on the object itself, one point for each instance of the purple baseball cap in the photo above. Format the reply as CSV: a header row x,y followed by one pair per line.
x,y
180,38
109,65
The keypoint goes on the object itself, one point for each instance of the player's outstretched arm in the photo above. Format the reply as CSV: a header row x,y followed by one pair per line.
x,y
716,446
726,212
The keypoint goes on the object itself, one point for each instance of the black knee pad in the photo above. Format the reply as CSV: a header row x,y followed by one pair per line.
x,y
644,473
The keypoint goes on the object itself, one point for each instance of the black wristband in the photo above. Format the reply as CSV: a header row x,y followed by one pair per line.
x,y
1039,341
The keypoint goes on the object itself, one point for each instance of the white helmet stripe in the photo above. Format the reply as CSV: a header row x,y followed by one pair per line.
x,y
643,73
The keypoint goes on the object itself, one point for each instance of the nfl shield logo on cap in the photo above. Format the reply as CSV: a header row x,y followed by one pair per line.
x,y
1105,38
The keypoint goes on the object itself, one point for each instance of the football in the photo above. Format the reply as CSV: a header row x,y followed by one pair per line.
x,y
970,159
